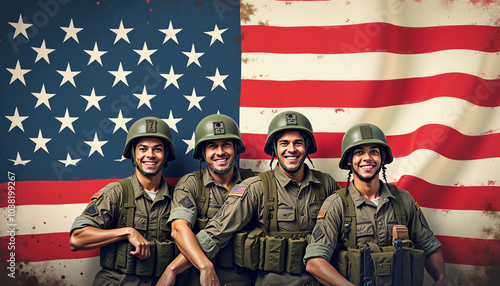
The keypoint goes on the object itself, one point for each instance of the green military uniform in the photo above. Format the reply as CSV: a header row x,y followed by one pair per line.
x,y
150,221
374,223
184,206
297,212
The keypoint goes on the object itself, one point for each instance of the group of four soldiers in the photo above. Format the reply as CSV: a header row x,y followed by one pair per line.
x,y
236,227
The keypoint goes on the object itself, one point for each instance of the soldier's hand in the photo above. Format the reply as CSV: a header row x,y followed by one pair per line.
x,y
142,246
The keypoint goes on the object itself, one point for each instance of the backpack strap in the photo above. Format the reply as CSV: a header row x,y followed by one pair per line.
x,y
270,201
349,218
397,204
202,195
246,173
128,204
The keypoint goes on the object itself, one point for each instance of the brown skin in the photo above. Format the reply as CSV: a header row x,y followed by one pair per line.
x,y
149,153
291,150
219,154
366,161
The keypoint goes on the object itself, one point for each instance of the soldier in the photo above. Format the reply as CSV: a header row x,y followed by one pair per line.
x,y
197,198
127,219
365,153
274,211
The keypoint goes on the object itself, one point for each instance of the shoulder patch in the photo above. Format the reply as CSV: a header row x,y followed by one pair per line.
x,y
91,210
321,214
417,206
317,233
238,190
96,196
186,202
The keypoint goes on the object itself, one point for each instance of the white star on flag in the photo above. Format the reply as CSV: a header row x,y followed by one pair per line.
x,y
194,100
71,32
43,52
16,120
144,98
171,78
69,161
93,100
172,122
68,75
120,75
121,33
145,54
95,54
43,97
20,27
96,145
218,79
40,142
18,73
190,143
19,161
67,121
170,33
120,122
193,56
216,34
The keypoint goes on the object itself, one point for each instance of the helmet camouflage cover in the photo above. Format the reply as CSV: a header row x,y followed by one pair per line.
x,y
217,126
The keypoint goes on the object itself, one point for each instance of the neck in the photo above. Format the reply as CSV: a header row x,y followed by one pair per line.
x,y
225,180
297,176
149,183
369,190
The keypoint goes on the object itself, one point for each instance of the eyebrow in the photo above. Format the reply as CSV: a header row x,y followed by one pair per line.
x,y
157,145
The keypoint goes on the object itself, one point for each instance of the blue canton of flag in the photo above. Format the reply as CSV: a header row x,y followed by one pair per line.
x,y
75,75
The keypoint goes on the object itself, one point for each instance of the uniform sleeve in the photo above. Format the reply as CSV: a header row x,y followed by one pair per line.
x,y
184,200
330,184
240,207
81,222
325,234
104,207
419,230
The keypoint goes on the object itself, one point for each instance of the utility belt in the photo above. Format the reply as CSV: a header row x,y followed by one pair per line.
x,y
275,252
386,265
116,256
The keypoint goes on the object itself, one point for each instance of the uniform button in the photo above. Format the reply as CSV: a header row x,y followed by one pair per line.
x,y
302,214
300,197
385,199
380,223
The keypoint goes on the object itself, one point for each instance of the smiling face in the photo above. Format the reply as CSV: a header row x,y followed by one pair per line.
x,y
220,154
290,149
149,154
366,159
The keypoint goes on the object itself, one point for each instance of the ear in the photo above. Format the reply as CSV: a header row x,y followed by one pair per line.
x,y
348,163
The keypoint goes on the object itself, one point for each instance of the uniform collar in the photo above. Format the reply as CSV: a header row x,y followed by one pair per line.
x,y
284,180
358,199
139,190
207,178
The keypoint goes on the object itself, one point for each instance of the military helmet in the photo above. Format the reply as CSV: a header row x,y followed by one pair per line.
x,y
289,120
360,134
150,127
213,127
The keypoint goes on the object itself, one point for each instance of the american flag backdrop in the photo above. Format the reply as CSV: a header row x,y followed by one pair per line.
x,y
74,76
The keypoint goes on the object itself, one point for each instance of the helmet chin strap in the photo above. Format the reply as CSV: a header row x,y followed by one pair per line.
x,y
296,169
147,174
217,171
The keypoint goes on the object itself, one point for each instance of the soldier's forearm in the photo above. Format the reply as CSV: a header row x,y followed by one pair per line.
x,y
90,237
188,245
434,264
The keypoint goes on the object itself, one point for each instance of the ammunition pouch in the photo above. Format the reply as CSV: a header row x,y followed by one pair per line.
x,y
116,256
349,263
275,252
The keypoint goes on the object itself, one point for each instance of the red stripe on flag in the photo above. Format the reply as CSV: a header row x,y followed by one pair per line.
x,y
439,138
56,192
43,247
368,37
368,94
469,251
482,198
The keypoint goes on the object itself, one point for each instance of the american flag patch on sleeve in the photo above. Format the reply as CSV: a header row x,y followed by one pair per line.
x,y
238,190
96,196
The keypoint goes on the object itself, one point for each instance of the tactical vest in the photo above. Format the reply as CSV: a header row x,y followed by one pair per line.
x,y
117,255
225,257
350,261
269,249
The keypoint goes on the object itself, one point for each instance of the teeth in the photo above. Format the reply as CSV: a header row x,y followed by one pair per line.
x,y
291,158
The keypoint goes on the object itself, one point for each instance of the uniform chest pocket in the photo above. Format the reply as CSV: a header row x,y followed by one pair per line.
x,y
141,222
286,214
313,210
163,223
364,232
